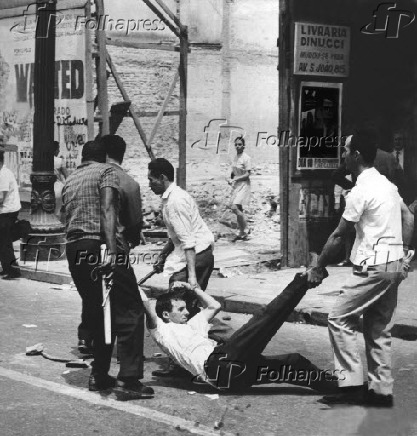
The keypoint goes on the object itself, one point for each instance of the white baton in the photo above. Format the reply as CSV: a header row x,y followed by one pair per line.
x,y
106,301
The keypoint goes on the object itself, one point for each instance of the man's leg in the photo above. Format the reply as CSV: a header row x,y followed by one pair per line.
x,y
83,257
7,257
377,325
247,343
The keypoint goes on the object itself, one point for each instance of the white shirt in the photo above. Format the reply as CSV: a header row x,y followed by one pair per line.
x,y
8,185
188,344
375,206
185,227
400,157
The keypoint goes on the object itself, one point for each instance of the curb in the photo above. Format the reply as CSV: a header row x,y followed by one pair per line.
x,y
232,304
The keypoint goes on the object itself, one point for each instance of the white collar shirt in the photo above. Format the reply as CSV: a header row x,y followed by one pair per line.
x,y
185,227
375,206
8,185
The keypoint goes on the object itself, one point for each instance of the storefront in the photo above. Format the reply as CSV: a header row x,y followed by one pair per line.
x,y
343,64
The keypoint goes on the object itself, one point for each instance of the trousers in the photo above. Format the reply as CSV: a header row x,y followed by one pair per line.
x,y
7,258
374,295
127,311
239,363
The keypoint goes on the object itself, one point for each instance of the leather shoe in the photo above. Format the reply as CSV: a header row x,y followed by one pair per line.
x,y
85,347
379,400
352,395
101,382
134,387
11,275
171,372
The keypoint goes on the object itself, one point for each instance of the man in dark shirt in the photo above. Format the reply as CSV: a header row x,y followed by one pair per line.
x,y
90,198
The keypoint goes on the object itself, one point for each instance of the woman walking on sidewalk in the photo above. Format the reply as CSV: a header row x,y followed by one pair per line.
x,y
240,181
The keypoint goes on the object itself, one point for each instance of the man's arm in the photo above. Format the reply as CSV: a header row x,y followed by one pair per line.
x,y
159,264
331,249
211,307
339,178
2,197
108,224
407,220
151,316
244,176
190,258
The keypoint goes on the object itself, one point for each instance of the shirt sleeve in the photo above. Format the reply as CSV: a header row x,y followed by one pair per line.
x,y
248,163
4,182
355,206
180,219
199,323
109,179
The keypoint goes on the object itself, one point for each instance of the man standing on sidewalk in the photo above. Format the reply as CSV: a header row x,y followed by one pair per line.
x,y
9,209
91,202
383,223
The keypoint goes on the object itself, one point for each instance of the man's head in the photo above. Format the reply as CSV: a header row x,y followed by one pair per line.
x,y
115,147
93,151
360,151
398,141
160,175
239,144
171,307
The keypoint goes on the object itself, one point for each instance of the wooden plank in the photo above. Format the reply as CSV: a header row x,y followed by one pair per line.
x,y
103,98
89,80
135,118
163,107
170,14
142,45
182,161
162,17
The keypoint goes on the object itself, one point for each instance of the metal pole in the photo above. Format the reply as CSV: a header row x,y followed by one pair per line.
x,y
182,164
43,219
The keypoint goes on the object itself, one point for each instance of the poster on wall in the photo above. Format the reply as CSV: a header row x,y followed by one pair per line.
x,y
319,140
321,50
17,54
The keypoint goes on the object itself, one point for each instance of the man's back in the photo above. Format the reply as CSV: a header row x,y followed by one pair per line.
x,y
375,206
8,185
130,212
81,199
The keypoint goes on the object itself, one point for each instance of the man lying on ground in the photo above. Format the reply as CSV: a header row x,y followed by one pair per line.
x,y
237,363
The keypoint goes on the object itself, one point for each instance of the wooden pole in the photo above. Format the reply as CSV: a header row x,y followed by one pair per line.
x,y
89,76
182,164
284,51
135,118
162,17
170,14
163,107
103,99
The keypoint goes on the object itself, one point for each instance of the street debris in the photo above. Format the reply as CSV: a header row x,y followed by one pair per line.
x,y
212,396
34,350
78,363
29,326
191,392
226,318
157,354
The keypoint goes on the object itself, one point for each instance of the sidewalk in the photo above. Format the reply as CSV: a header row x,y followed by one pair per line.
x,y
248,292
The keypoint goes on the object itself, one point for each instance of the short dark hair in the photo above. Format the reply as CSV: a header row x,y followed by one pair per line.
x,y
56,146
114,145
92,150
365,141
241,138
161,166
164,301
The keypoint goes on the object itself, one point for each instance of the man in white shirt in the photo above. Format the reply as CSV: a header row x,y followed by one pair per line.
x,y
383,223
238,363
188,255
9,209
398,150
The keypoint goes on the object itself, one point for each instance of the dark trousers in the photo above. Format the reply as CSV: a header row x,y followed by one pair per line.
x,y
127,312
7,259
238,363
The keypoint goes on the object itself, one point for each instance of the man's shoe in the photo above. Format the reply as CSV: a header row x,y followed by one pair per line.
x,y
101,382
379,400
134,387
85,347
171,372
12,276
352,395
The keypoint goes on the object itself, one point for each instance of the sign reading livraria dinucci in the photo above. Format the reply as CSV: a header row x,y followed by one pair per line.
x,y
17,55
321,50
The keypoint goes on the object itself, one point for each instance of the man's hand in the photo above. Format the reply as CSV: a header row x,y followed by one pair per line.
x,y
158,266
193,283
408,257
316,275
108,266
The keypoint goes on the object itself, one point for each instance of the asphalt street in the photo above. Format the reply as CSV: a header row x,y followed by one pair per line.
x,y
44,397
